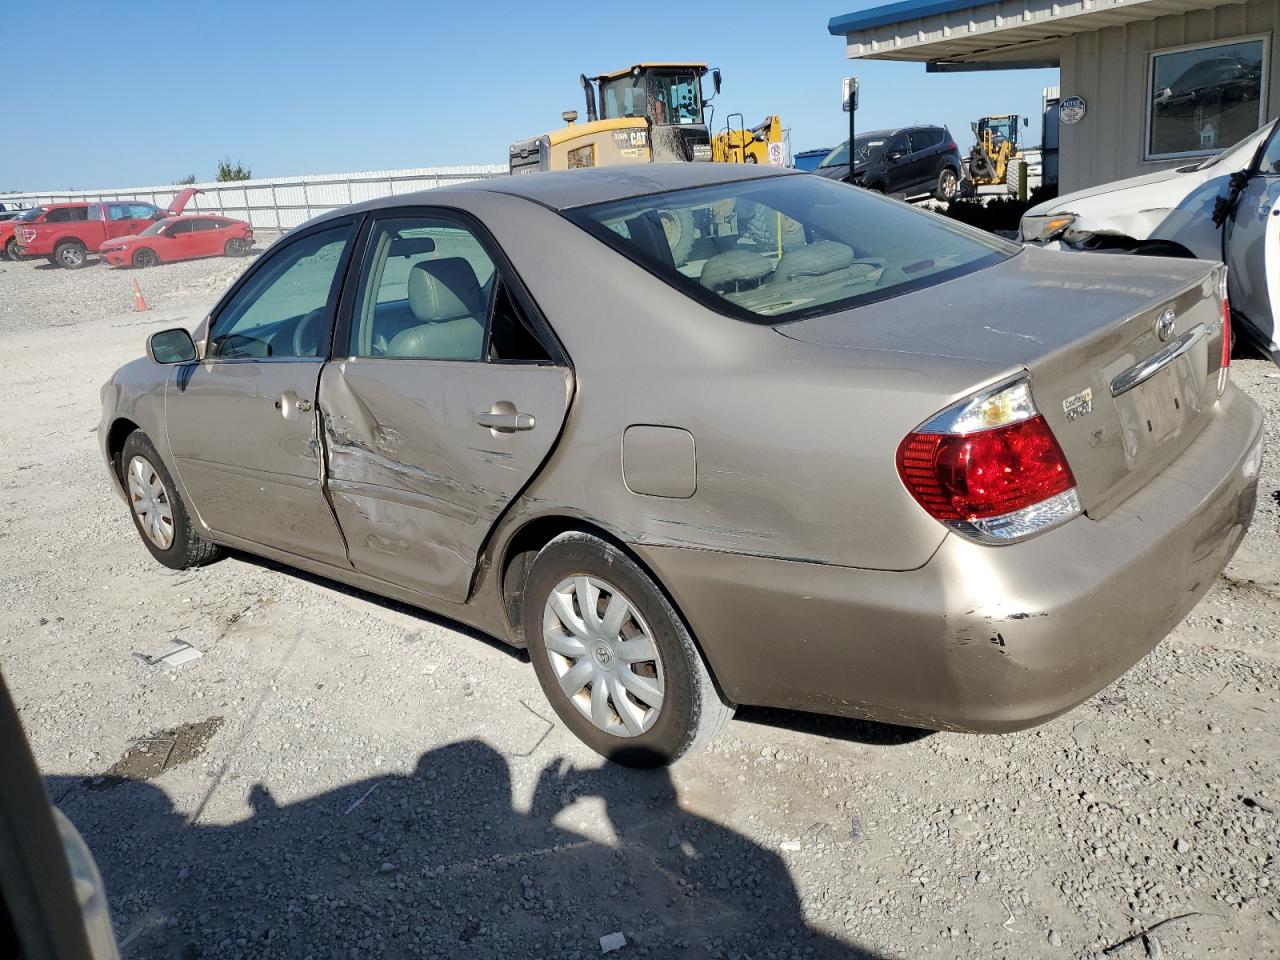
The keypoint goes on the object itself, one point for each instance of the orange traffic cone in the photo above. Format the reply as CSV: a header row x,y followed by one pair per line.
x,y
138,302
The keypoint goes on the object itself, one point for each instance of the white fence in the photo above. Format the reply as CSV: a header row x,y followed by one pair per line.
x,y
279,203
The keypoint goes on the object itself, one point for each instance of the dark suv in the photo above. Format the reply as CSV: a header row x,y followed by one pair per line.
x,y
905,162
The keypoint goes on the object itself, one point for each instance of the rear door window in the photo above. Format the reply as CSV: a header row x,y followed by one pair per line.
x,y
788,247
922,140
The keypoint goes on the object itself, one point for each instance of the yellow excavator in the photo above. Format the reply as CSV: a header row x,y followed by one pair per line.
x,y
646,113
995,144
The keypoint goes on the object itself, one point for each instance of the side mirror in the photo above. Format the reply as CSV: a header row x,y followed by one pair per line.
x,y
895,156
171,346
715,79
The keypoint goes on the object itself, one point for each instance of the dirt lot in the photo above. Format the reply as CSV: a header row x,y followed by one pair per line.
x,y
342,777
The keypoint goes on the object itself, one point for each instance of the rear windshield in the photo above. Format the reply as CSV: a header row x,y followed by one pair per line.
x,y
784,248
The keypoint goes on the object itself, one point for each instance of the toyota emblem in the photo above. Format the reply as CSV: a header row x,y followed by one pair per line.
x,y
1164,326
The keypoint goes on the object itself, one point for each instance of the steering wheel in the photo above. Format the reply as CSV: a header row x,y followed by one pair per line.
x,y
307,329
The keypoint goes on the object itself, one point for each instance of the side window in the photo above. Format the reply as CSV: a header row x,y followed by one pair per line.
x,y
424,293
178,228
61,215
117,211
285,308
96,211
79,213
141,211
899,144
920,140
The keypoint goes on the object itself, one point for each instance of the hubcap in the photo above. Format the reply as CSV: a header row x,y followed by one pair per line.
x,y
72,256
150,503
603,655
949,184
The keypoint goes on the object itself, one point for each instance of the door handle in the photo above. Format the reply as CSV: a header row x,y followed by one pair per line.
x,y
506,422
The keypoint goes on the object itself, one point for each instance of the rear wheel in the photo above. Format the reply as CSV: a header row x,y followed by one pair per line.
x,y
236,247
70,254
144,258
158,510
948,186
614,657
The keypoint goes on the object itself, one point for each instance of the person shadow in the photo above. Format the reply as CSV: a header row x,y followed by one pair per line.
x,y
441,863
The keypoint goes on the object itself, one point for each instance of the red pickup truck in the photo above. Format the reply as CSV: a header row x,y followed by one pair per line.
x,y
69,243
62,212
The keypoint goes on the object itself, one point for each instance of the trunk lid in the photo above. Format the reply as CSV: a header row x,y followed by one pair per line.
x,y
1123,402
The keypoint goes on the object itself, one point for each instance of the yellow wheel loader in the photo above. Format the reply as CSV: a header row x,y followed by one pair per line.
x,y
737,144
995,144
647,113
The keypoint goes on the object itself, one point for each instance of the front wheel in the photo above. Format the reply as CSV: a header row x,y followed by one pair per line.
x,y
144,258
948,187
11,250
614,657
157,508
236,247
70,254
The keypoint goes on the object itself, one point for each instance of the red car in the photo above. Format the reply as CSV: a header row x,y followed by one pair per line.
x,y
179,238
69,244
59,213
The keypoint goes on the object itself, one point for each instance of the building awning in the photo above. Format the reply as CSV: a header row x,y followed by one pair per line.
x,y
963,35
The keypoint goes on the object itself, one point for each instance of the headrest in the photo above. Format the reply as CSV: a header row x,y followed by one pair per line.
x,y
813,260
444,290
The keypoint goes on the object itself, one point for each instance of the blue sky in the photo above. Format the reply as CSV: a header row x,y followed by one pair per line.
x,y
147,92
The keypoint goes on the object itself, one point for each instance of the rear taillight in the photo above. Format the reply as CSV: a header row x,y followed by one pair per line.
x,y
990,468
28,234
1224,369
951,145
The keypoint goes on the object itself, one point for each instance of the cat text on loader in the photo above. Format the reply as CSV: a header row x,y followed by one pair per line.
x,y
647,113
995,144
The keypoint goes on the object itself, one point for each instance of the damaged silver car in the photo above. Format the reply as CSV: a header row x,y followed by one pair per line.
x,y
699,436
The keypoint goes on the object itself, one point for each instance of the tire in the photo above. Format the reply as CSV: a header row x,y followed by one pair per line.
x,y
690,711
678,227
145,257
11,250
235,247
147,482
70,254
948,186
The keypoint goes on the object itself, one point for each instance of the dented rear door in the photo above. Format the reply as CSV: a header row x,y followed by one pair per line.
x,y
451,396
415,476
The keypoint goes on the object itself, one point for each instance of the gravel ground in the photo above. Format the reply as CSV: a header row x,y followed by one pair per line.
x,y
339,776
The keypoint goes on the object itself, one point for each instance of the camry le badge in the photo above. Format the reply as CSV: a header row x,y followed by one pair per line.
x,y
1164,326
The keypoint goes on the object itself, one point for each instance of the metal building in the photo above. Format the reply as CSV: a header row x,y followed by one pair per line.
x,y
1146,84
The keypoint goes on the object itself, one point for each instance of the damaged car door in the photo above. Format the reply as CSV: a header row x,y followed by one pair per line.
x,y
451,395
1253,251
241,420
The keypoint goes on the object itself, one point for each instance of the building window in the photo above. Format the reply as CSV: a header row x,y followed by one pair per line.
x,y
1204,98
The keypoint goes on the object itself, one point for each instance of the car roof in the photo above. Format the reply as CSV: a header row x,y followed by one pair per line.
x,y
564,190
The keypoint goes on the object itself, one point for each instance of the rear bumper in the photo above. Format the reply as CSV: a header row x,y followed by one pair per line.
x,y
983,639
